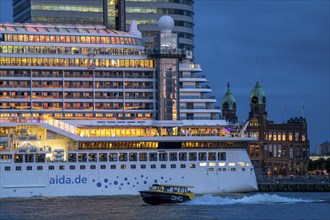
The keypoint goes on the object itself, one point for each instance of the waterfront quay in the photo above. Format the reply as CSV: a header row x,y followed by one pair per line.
x,y
294,184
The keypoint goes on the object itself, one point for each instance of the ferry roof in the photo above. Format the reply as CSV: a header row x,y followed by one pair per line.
x,y
66,29
169,185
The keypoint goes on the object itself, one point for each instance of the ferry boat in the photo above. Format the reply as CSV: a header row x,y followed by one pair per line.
x,y
166,193
90,111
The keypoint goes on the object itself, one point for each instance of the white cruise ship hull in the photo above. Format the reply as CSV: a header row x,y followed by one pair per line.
x,y
98,179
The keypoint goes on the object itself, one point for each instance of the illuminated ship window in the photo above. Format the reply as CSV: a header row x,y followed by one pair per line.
x,y
192,165
123,166
212,164
248,164
133,166
61,167
211,169
222,164
231,164
241,164
203,164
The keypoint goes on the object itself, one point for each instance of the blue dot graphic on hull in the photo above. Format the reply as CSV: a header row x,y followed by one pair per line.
x,y
98,184
106,180
145,182
155,181
116,182
125,178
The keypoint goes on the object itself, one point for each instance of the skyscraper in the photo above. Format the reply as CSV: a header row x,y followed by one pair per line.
x,y
114,14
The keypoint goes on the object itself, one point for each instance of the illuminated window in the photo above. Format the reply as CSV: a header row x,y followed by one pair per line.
x,y
231,164
222,164
241,164
203,164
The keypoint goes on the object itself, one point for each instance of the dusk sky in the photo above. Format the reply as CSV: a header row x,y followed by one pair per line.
x,y
290,40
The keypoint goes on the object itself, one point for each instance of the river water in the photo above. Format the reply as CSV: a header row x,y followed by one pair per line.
x,y
266,206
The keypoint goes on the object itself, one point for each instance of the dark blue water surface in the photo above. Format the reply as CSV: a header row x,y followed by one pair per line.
x,y
268,206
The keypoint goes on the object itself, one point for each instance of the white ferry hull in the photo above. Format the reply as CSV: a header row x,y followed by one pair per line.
x,y
94,182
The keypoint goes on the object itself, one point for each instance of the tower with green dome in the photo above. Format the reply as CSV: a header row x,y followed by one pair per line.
x,y
258,102
229,106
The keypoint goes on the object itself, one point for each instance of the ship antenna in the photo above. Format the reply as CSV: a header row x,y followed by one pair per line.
x,y
302,107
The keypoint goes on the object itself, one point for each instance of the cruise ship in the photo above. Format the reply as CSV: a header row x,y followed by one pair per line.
x,y
89,111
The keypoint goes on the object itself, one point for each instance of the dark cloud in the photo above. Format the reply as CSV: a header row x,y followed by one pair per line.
x,y
291,41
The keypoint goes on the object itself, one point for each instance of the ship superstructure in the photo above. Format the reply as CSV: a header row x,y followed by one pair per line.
x,y
85,103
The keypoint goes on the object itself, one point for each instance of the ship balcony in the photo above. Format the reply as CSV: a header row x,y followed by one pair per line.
x,y
167,53
190,67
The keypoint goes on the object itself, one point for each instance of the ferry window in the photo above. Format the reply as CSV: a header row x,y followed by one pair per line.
x,y
93,167
233,169
82,157
192,156
40,167
113,157
82,167
202,156
222,156
173,166
122,156
123,166
29,168
192,165
224,169
152,156
92,157
113,167
133,157
102,167
173,156
153,166
103,157
143,156
18,168
211,169
61,167
163,166
162,156
72,167
51,167
40,158
18,158
243,169
7,168
231,164
29,158
133,166
219,169
143,166
72,157
182,156
183,165
212,156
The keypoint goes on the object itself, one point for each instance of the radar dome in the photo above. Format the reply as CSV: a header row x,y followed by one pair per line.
x,y
165,23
